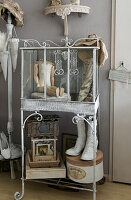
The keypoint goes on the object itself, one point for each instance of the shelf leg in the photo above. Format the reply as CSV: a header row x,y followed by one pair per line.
x,y
74,120
94,155
17,195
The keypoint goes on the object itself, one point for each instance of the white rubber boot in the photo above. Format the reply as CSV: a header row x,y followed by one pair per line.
x,y
80,142
88,150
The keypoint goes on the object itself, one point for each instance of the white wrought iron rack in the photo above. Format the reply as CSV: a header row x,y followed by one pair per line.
x,y
80,109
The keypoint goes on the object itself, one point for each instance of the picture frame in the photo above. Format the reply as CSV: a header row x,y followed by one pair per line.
x,y
68,141
43,148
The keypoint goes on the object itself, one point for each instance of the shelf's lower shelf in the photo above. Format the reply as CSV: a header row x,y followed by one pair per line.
x,y
67,183
64,183
87,108
42,173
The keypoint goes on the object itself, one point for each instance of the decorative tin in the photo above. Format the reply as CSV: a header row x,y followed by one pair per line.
x,y
48,126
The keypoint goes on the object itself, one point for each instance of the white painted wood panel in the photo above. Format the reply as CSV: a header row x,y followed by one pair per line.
x,y
122,96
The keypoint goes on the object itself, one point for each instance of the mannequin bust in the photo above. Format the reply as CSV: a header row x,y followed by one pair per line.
x,y
39,79
39,74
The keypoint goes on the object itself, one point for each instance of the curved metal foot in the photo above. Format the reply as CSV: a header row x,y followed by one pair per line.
x,y
17,196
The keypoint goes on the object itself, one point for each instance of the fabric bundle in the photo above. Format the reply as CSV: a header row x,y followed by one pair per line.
x,y
86,56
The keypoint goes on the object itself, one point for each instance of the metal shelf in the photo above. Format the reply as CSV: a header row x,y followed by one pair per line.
x,y
87,108
64,10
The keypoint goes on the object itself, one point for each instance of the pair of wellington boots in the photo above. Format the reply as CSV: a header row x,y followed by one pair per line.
x,y
84,142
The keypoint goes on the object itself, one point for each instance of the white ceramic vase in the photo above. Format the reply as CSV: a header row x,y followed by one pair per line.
x,y
4,62
14,44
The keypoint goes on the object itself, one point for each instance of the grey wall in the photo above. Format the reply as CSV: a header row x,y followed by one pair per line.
x,y
41,27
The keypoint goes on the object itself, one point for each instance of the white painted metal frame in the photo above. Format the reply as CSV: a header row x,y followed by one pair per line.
x,y
47,105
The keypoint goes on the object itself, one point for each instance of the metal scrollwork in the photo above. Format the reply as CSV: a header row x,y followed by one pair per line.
x,y
59,72
58,63
35,43
31,42
73,63
74,72
17,196
78,117
67,41
39,118
48,43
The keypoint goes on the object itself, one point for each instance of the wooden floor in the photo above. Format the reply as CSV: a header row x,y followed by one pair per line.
x,y
37,191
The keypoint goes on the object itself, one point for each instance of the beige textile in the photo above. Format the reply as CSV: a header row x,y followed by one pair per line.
x,y
103,54
86,56
17,14
85,93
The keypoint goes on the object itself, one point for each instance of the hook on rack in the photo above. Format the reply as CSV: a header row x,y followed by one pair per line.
x,y
122,66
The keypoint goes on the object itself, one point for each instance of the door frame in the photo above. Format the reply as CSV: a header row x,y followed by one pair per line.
x,y
113,37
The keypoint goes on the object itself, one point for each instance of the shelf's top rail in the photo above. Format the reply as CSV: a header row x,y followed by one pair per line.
x,y
31,44
39,48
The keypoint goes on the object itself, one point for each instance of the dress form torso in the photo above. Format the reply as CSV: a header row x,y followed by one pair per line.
x,y
41,66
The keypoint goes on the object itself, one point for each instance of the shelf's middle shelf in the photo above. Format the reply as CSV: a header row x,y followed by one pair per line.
x,y
88,108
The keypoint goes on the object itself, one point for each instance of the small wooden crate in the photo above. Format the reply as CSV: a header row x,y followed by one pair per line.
x,y
44,173
44,148
42,164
